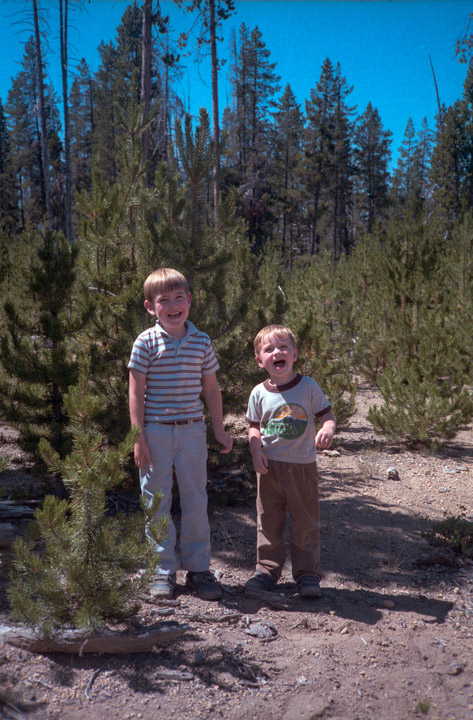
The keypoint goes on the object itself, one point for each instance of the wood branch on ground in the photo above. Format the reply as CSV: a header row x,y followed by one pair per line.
x,y
107,641
8,533
10,509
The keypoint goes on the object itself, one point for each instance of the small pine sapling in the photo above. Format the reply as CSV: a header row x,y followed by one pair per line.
x,y
426,396
92,568
37,348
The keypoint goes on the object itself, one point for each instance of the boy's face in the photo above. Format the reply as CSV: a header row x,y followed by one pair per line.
x,y
172,310
277,355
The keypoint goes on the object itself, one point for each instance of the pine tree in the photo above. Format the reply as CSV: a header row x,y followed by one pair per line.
x,y
342,169
63,33
426,394
366,308
328,161
94,568
424,383
117,87
371,156
324,348
25,132
452,158
447,165
36,349
81,114
187,233
285,168
116,255
211,14
46,180
254,86
410,183
8,188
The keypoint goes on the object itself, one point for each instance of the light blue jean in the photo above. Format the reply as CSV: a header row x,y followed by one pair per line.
x,y
183,447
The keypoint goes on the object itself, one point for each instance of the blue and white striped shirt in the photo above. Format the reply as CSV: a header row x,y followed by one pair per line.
x,y
174,371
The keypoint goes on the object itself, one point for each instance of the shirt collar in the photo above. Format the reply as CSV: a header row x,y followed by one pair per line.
x,y
282,388
191,330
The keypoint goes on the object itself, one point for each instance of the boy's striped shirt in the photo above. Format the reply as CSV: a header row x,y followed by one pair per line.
x,y
173,371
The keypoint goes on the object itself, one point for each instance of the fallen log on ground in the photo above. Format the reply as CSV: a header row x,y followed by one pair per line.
x,y
10,509
8,534
107,641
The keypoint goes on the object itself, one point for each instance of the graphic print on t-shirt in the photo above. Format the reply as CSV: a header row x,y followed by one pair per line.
x,y
289,421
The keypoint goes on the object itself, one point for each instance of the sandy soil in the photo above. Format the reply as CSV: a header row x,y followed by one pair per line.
x,y
391,638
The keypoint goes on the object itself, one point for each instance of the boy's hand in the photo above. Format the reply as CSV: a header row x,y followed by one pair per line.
x,y
224,439
260,462
324,438
142,454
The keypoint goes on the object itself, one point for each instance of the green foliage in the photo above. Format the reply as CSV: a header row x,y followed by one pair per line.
x,y
423,706
87,573
366,309
454,532
37,350
421,404
212,253
114,247
324,347
400,294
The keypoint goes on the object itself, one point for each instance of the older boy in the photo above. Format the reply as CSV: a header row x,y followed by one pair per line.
x,y
171,364
282,430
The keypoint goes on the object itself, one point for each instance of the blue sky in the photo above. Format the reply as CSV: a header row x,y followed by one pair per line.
x,y
383,48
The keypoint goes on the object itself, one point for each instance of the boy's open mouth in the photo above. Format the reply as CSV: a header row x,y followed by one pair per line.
x,y
279,363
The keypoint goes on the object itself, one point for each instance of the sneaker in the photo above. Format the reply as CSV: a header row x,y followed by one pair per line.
x,y
163,586
260,581
309,586
205,585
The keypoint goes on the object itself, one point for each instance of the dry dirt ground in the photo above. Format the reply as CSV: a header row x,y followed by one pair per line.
x,y
391,638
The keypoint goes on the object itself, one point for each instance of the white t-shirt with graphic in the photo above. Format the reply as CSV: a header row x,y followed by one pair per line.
x,y
285,417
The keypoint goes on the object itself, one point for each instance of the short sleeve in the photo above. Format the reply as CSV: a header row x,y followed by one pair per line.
x,y
139,359
253,413
210,363
320,404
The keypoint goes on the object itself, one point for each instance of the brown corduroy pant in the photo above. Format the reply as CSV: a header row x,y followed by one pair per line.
x,y
295,487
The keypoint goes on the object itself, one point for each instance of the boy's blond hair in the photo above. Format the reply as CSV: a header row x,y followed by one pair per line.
x,y
163,280
280,331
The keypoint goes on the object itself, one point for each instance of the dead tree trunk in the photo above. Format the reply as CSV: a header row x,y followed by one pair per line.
x,y
42,117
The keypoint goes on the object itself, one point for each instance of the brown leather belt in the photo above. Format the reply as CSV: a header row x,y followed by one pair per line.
x,y
179,422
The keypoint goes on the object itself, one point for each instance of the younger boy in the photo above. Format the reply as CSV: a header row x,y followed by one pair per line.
x,y
282,430
171,364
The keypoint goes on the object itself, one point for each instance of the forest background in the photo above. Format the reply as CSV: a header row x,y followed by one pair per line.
x,y
275,211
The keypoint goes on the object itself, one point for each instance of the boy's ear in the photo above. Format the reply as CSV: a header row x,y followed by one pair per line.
x,y
150,308
259,361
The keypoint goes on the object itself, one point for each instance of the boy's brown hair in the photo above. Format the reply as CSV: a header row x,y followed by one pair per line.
x,y
163,280
281,331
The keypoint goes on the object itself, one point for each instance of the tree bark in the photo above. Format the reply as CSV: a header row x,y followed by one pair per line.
x,y
145,96
63,22
216,123
109,641
42,117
